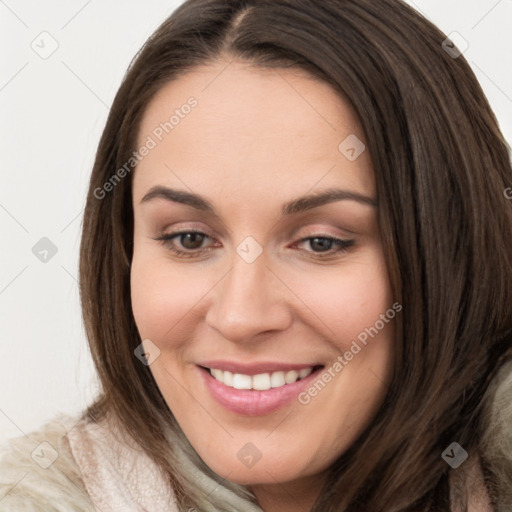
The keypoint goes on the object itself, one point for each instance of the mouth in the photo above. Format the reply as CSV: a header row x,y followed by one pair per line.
x,y
260,381
256,389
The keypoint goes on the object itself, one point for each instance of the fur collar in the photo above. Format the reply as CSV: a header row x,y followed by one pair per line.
x,y
33,480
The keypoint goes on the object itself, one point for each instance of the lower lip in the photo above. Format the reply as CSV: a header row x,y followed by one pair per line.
x,y
251,402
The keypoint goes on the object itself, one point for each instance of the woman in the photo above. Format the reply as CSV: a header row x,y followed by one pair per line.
x,y
295,274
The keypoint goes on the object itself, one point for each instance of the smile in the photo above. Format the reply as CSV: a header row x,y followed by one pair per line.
x,y
258,389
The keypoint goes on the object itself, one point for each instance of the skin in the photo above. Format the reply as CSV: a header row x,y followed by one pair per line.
x,y
257,139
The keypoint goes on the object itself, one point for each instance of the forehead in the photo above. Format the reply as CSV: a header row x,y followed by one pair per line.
x,y
249,129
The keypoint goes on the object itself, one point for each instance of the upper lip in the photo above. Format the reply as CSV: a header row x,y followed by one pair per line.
x,y
256,368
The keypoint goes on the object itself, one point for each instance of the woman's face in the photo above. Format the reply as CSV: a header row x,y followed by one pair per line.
x,y
296,328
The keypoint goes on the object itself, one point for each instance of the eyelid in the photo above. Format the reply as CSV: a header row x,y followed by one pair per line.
x,y
339,245
314,228
312,231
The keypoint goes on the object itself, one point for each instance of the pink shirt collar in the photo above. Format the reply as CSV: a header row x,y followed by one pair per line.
x,y
118,475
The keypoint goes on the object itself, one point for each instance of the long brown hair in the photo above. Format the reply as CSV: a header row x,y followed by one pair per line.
x,y
441,168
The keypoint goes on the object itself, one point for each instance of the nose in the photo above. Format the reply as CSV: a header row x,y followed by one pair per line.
x,y
249,301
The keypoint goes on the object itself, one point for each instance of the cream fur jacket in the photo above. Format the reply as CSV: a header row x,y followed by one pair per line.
x,y
72,465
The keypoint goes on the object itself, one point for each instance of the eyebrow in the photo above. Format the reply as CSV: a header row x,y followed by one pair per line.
x,y
292,207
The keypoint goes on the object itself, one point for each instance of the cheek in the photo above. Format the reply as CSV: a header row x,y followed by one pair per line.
x,y
364,296
347,300
152,298
161,296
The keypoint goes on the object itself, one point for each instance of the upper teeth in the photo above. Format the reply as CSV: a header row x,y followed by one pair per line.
x,y
260,382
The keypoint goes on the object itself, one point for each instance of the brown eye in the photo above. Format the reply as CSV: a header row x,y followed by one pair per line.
x,y
186,244
191,240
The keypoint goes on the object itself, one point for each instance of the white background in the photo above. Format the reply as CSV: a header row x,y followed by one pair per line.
x,y
52,114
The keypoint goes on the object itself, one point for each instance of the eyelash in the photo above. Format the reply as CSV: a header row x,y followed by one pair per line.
x,y
342,245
